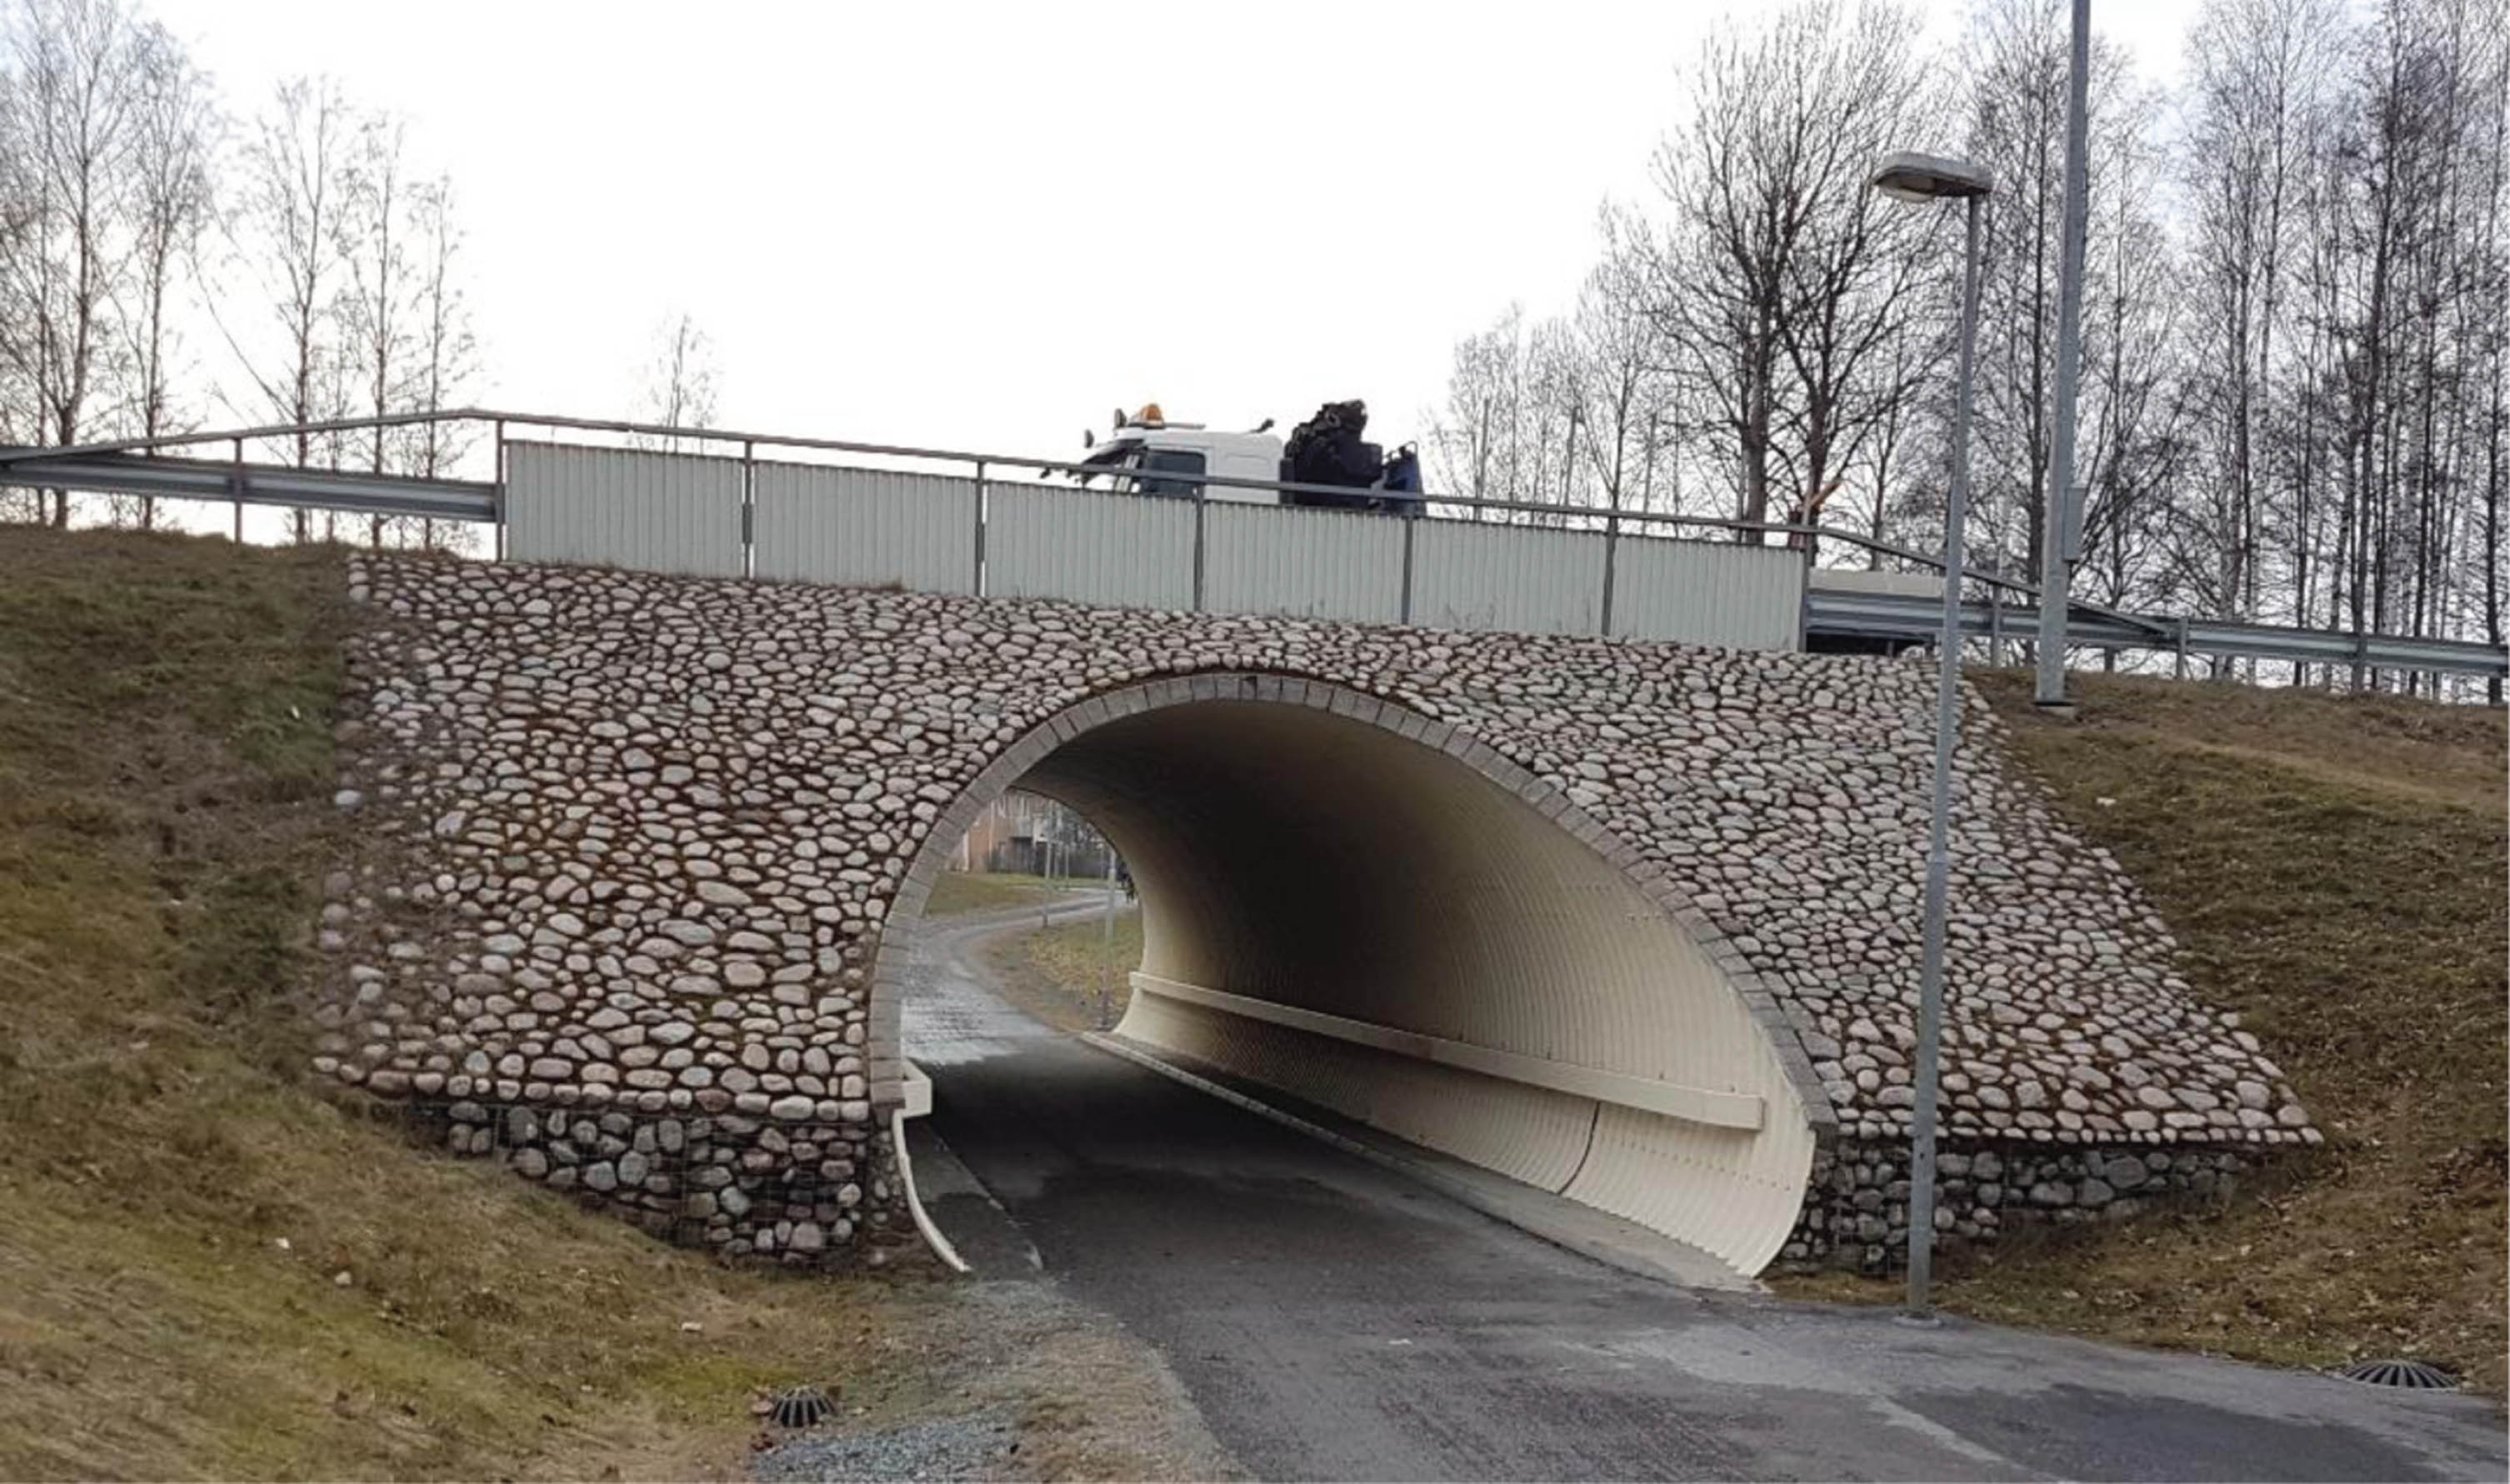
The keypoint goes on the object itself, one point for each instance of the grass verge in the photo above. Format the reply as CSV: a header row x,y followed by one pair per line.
x,y
956,894
1069,975
207,1270
2336,871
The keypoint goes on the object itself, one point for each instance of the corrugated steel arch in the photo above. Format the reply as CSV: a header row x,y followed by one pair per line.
x,y
1538,933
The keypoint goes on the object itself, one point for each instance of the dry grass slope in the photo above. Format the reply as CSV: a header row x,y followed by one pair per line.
x,y
176,1208
1072,976
2337,870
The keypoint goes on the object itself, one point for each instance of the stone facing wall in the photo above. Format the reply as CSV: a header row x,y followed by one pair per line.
x,y
793,1178
630,841
1856,1214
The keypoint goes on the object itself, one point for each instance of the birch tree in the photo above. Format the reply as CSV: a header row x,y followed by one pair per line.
x,y
679,390
170,203
444,351
373,306
67,133
290,194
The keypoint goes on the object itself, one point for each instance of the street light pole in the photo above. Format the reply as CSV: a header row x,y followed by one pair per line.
x,y
1930,983
1924,177
2062,526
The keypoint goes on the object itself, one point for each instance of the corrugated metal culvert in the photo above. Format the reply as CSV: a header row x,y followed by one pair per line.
x,y
1344,911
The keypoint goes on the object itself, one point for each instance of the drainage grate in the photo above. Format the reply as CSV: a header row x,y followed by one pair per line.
x,y
802,1407
2413,1375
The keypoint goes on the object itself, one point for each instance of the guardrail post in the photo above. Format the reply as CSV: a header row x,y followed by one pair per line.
x,y
977,573
237,487
749,507
1403,611
1612,548
1201,502
499,524
1995,628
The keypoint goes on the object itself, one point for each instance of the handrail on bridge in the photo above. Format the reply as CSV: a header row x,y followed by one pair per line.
x,y
1805,537
1603,514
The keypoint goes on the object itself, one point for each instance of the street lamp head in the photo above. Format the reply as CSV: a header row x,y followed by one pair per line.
x,y
1913,176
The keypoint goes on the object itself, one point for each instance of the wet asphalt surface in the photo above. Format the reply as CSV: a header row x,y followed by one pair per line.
x,y
1333,1321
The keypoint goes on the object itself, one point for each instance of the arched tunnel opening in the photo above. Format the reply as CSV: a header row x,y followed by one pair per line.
x,y
1423,939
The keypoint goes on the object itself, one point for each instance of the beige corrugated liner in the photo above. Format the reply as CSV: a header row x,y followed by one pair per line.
x,y
1317,863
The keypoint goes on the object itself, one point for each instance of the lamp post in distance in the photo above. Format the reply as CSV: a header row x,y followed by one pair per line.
x,y
2061,529
1919,177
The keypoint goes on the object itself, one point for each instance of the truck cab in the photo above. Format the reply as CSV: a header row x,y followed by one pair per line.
x,y
1146,454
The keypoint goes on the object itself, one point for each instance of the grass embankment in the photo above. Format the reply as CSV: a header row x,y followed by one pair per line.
x,y
1070,975
958,894
205,1269
2335,870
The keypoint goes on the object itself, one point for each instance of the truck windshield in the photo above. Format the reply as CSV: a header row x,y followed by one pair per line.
x,y
1170,461
1107,458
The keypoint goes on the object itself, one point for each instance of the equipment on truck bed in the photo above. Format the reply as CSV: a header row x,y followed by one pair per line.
x,y
1328,449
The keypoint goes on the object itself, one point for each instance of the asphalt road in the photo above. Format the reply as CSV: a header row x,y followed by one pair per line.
x,y
1333,1321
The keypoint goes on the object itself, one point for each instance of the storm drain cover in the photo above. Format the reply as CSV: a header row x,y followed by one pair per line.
x,y
802,1407
2413,1375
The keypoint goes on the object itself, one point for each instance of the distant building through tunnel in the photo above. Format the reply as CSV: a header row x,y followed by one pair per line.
x,y
1024,834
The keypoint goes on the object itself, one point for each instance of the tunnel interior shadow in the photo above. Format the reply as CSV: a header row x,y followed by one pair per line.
x,y
1345,914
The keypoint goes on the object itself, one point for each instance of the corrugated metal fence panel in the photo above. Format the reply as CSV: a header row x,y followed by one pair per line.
x,y
1326,564
1118,550
1707,593
864,527
618,506
1507,577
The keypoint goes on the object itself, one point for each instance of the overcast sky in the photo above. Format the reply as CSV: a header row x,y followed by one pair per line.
x,y
985,226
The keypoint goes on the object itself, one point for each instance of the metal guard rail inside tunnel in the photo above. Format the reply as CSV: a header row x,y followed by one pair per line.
x,y
132,466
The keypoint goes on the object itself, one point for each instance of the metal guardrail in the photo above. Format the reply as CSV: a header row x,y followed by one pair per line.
x,y
1895,616
131,467
273,484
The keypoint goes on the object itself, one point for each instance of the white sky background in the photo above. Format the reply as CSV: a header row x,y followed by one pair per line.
x,y
986,226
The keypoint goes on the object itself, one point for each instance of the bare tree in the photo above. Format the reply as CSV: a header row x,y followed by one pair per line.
x,y
288,198
679,388
1623,378
170,203
2295,370
1904,459
444,354
2257,75
2407,263
1473,439
67,137
1514,428
1783,277
346,273
373,311
1549,413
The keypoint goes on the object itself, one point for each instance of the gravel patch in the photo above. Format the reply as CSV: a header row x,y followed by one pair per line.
x,y
975,1446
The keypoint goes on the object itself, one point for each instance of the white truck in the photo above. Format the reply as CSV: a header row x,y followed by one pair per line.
x,y
1145,453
